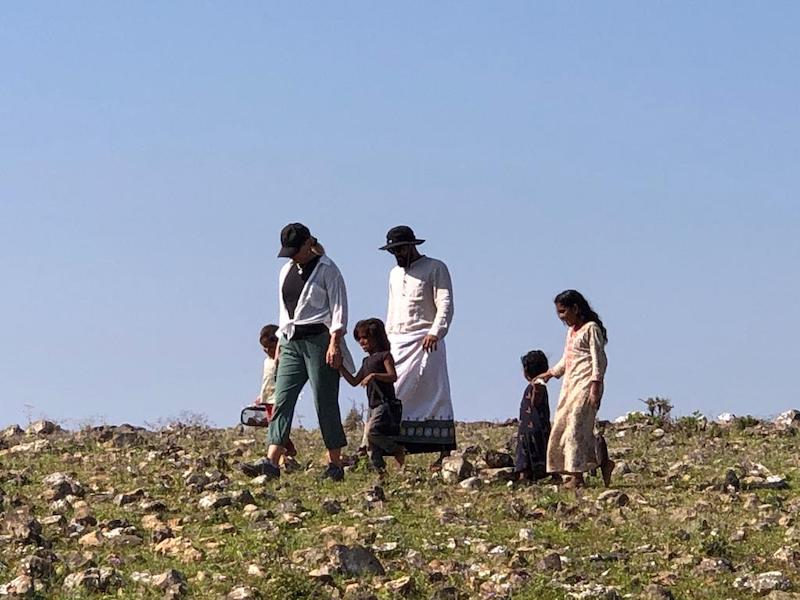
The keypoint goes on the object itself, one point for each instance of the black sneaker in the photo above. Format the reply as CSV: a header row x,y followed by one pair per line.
x,y
334,472
261,467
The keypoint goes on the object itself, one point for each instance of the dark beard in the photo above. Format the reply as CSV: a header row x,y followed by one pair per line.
x,y
403,261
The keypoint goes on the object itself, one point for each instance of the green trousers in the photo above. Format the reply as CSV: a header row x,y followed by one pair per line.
x,y
301,361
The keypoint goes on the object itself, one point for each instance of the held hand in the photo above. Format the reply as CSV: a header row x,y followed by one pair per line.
x,y
367,380
595,394
430,343
546,376
333,357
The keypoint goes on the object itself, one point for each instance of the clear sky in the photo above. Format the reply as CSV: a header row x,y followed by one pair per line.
x,y
645,153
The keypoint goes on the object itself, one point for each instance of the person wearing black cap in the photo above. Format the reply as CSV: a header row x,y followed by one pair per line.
x,y
419,317
313,321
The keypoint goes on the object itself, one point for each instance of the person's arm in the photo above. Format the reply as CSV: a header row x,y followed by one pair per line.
x,y
443,300
556,370
337,303
599,364
353,380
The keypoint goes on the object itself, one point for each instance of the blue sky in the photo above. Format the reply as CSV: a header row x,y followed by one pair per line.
x,y
644,153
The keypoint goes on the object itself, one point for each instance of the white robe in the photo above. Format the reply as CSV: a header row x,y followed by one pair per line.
x,y
421,303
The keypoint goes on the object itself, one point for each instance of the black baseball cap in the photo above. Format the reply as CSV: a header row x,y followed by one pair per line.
x,y
400,236
293,236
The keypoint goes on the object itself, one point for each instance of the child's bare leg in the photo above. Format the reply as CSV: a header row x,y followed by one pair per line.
x,y
603,460
400,456
274,453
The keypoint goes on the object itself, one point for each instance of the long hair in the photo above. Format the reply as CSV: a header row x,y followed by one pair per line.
x,y
374,330
570,298
316,248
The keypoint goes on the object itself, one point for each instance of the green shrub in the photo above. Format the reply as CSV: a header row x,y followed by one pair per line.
x,y
289,584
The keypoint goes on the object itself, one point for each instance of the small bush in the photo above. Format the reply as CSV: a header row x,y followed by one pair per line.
x,y
288,584
354,419
658,407
746,421
716,547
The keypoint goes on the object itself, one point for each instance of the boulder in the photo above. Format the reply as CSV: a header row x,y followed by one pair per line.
x,y
21,587
42,427
356,561
215,500
499,474
23,528
129,497
657,592
550,562
498,460
790,418
456,468
471,483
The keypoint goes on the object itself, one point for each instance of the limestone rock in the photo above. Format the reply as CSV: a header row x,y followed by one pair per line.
x,y
499,474
455,469
402,585
214,501
243,592
93,580
471,483
498,460
551,562
171,578
21,587
23,528
129,497
356,561
59,486
790,418
613,498
42,427
11,432
657,592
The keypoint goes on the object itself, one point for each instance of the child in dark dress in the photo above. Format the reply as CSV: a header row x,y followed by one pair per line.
x,y
378,375
534,420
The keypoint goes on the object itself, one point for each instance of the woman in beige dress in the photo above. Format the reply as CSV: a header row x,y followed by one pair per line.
x,y
572,448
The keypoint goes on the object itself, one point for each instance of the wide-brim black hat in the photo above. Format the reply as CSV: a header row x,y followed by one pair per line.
x,y
402,235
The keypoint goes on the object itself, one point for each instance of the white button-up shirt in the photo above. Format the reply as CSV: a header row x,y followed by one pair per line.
x,y
323,299
420,298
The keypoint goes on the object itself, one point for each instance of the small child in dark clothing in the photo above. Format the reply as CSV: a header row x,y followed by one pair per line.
x,y
534,420
378,375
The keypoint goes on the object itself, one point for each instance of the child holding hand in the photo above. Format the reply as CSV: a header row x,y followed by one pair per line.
x,y
268,338
534,420
573,448
377,375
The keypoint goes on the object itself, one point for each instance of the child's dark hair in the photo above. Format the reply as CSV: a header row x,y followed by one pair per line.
x,y
374,330
534,363
269,333
569,298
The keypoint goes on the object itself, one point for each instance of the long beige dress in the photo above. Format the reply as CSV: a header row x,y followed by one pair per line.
x,y
571,448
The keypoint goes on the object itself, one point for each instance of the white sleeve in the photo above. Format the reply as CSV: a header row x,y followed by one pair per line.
x,y
337,300
443,299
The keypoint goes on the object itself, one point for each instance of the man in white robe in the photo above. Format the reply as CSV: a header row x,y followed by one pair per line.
x,y
419,317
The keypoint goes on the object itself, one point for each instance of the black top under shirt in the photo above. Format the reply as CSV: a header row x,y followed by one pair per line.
x,y
292,289
378,392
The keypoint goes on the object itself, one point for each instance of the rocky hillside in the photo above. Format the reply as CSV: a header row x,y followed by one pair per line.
x,y
697,510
